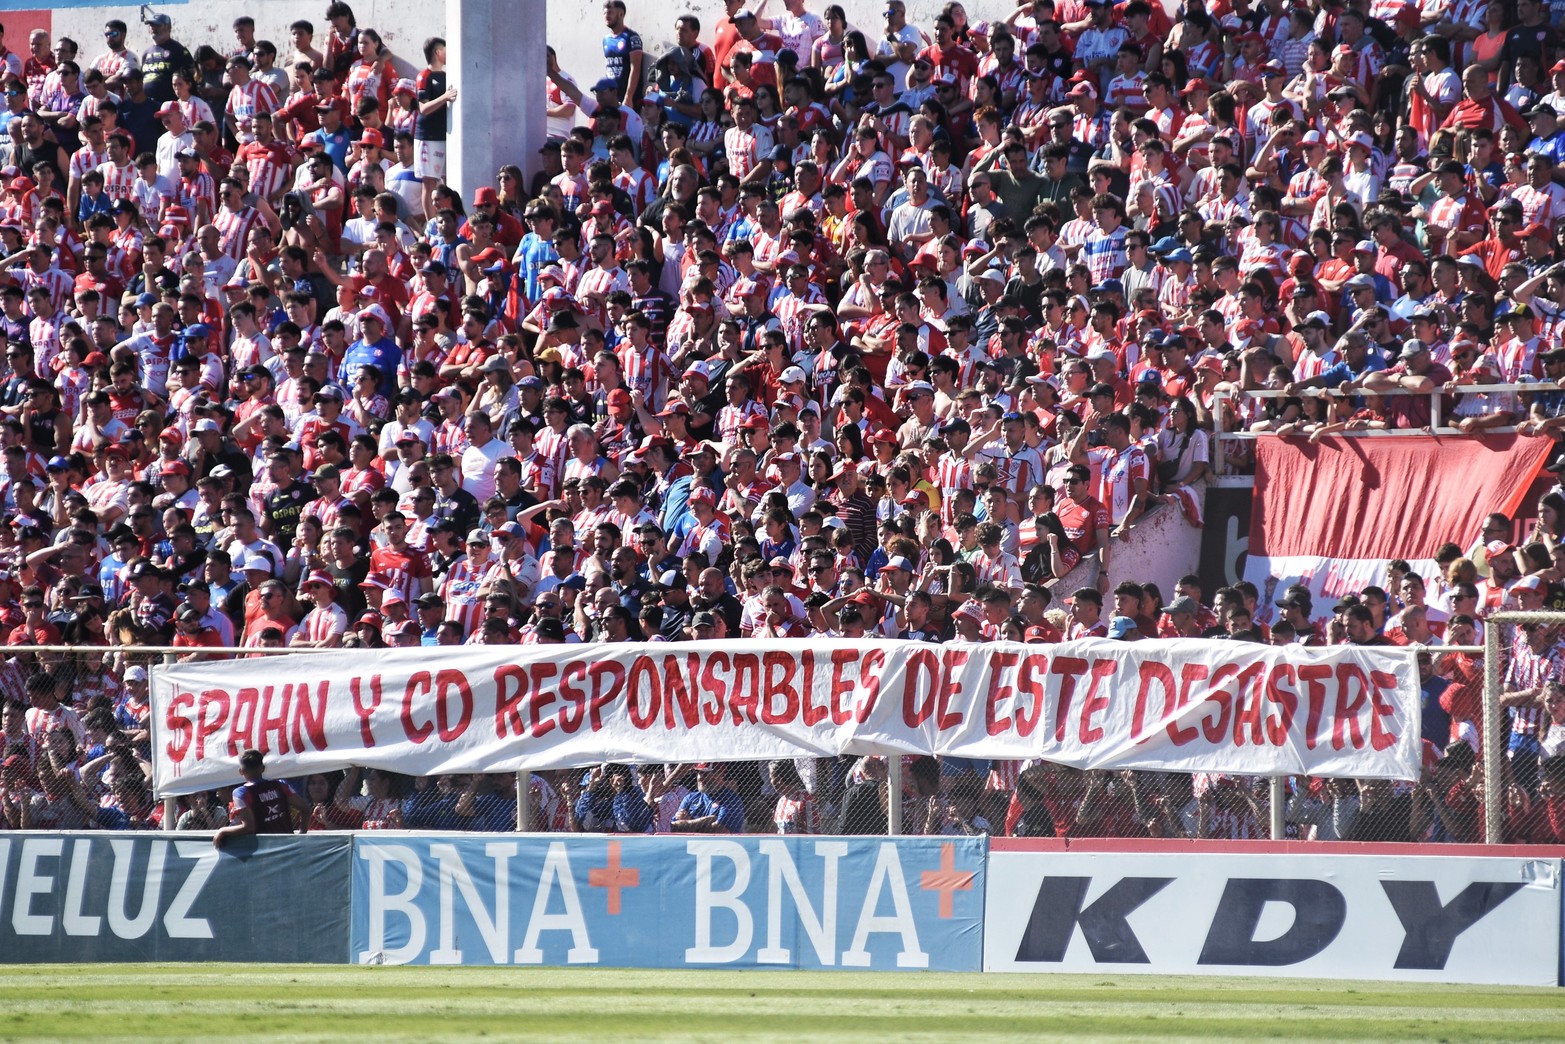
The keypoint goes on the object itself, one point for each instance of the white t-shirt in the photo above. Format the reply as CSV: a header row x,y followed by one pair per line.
x,y
885,49
478,468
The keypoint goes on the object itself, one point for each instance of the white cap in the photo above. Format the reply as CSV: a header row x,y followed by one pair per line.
x,y
791,374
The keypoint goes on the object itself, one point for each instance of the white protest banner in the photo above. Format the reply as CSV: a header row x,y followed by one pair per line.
x,y
1186,705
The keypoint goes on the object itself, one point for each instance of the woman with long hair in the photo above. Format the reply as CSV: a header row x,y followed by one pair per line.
x,y
370,75
827,52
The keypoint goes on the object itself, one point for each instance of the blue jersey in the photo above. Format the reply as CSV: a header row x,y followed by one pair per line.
x,y
271,800
726,805
533,255
337,146
383,354
617,49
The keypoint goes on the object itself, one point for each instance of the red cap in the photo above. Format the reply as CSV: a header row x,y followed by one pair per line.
x,y
483,196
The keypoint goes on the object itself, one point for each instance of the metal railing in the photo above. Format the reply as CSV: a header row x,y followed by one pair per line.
x,y
1437,425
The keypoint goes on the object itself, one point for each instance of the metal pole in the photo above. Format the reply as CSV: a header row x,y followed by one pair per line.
x,y
170,804
894,794
524,801
1279,799
1493,739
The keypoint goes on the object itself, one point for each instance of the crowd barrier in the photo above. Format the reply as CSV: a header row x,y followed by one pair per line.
x,y
1419,914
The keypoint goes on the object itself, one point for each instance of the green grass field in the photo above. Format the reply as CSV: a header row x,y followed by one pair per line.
x,y
337,1003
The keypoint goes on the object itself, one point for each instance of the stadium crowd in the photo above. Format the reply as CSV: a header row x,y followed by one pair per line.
x,y
800,328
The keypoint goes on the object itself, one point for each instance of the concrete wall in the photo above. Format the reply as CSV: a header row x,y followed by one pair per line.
x,y
1160,549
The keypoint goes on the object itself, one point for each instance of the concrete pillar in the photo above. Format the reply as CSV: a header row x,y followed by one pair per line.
x,y
496,60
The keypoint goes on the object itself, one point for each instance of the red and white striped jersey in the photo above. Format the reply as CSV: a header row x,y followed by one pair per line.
x,y
554,447
1529,670
797,815
1272,257
573,189
58,283
115,64
708,539
118,182
192,192
705,131
1120,471
403,569
1220,209
45,337
746,149
1173,297
538,473
249,100
1019,469
1543,206
646,371
792,312
730,417
464,580
326,511
951,474
233,228
324,622
1004,571
1093,130
601,281
450,437
580,469
268,165
1126,92
85,159
639,186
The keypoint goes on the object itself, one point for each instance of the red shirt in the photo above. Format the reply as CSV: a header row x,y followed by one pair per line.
x,y
401,569
1085,521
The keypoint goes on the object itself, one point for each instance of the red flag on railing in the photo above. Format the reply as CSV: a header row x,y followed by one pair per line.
x,y
1330,515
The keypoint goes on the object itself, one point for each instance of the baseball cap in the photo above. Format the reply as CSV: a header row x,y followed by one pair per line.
x,y
1183,604
1120,626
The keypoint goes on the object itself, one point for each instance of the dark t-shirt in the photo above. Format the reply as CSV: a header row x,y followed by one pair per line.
x,y
617,49
461,508
158,66
431,85
284,507
269,800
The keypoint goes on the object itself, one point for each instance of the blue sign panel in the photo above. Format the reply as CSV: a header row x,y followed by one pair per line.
x,y
166,897
670,902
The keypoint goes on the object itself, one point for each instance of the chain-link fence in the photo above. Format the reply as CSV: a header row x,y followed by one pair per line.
x,y
78,756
